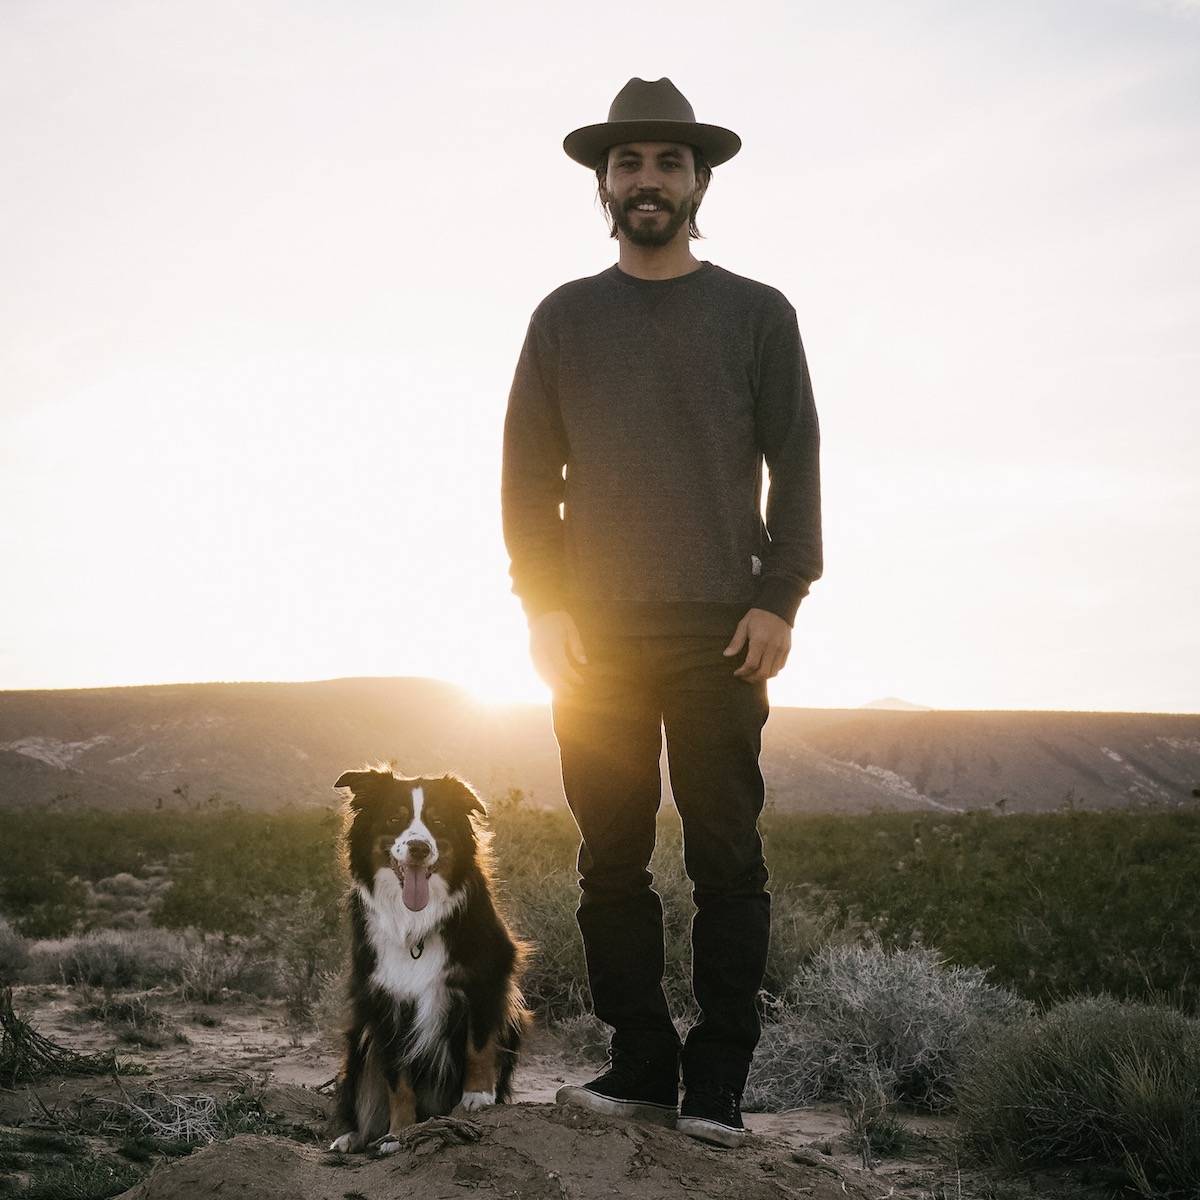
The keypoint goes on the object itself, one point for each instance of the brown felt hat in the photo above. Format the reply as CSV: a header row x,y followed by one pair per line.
x,y
650,112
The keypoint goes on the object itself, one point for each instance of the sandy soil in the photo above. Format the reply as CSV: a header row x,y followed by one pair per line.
x,y
529,1149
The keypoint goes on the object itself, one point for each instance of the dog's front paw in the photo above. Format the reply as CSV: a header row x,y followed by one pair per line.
x,y
348,1143
472,1101
388,1144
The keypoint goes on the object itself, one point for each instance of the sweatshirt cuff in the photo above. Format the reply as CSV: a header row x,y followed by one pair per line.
x,y
781,597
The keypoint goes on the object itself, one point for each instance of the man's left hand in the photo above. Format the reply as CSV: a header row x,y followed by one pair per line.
x,y
770,639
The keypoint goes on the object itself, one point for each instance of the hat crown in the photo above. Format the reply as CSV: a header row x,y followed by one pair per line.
x,y
659,100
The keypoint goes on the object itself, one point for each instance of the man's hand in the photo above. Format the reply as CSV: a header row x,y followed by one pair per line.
x,y
770,639
553,642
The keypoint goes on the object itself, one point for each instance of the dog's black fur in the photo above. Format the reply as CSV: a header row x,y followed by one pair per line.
x,y
437,1015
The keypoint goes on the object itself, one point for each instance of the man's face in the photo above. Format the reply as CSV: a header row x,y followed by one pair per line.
x,y
650,188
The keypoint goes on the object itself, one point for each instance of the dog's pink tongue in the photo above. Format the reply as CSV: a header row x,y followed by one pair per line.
x,y
416,888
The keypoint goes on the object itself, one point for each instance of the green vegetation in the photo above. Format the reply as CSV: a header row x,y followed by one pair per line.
x,y
1093,1081
1050,904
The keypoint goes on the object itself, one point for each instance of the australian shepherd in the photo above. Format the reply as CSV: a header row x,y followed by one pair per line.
x,y
436,1013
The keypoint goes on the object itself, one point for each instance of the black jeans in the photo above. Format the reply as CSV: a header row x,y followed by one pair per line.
x,y
609,737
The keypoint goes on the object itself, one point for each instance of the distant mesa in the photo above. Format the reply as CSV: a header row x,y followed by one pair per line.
x,y
894,702
206,746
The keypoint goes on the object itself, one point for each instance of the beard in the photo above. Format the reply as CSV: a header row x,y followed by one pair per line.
x,y
642,231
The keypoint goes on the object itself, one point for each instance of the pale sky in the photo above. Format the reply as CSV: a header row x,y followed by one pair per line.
x,y
265,268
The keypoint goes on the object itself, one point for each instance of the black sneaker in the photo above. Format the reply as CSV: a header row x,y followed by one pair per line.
x,y
645,1089
712,1112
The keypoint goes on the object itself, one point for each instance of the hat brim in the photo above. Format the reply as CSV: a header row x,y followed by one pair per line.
x,y
587,145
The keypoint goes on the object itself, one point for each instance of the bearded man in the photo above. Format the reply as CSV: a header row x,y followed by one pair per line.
x,y
645,402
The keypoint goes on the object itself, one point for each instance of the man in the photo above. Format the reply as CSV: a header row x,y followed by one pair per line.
x,y
658,597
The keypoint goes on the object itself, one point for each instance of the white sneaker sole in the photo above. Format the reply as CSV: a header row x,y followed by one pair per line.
x,y
636,1110
713,1132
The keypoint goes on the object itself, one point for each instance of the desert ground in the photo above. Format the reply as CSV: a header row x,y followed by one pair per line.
x,y
234,1100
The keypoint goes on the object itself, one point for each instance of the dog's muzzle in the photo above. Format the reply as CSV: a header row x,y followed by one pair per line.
x,y
413,871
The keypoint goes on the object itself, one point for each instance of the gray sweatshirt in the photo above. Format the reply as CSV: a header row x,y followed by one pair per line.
x,y
662,398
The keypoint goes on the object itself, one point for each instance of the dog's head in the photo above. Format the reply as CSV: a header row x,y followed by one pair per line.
x,y
415,828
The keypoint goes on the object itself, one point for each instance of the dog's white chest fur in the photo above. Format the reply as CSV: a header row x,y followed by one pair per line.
x,y
395,932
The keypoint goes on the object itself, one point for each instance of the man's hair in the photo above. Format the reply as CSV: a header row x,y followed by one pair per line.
x,y
703,175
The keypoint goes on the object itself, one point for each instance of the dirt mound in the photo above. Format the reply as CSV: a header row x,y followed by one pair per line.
x,y
531,1151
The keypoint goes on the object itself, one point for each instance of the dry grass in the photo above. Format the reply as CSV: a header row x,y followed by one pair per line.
x,y
26,1055
1092,1081
857,1012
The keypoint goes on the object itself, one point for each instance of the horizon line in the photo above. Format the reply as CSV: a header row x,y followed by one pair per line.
x,y
908,707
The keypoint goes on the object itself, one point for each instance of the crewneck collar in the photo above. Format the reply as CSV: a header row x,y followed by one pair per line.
x,y
705,268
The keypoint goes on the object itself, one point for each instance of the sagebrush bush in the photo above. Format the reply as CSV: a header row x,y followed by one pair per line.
x,y
863,1011
14,954
109,958
804,920
302,937
873,1128
124,884
1095,1081
584,1038
214,964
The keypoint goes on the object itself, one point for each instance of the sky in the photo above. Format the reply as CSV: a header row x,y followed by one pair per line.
x,y
266,266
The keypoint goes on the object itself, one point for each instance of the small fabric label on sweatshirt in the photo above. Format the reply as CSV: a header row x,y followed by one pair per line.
x,y
755,565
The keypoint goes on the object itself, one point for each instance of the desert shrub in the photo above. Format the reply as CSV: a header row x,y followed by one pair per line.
x,y
107,958
123,901
303,938
14,953
135,1010
42,904
123,884
804,920
537,889
213,965
124,919
873,1129
1094,1081
583,1038
240,865
331,1007
862,1011
133,1018
553,980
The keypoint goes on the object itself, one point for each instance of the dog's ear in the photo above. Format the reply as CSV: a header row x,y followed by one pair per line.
x,y
359,783
466,795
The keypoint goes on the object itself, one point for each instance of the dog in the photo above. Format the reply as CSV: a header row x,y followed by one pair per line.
x,y
436,1011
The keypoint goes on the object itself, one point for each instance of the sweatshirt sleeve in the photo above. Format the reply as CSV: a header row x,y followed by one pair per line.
x,y
532,485
789,438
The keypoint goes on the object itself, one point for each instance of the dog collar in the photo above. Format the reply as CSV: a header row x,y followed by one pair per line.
x,y
417,950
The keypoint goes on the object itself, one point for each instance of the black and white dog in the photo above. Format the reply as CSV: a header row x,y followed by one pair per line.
x,y
436,1013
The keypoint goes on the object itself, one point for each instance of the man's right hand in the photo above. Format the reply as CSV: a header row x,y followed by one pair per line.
x,y
553,643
